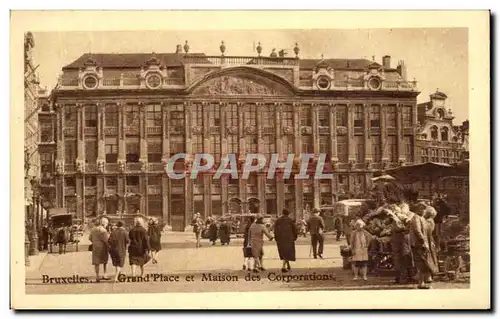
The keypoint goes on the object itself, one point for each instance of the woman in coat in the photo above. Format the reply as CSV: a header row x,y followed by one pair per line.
x,y
154,234
431,260
247,250
224,233
99,237
212,232
285,233
256,234
118,242
139,246
360,241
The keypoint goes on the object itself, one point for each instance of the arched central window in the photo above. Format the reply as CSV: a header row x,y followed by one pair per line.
x,y
434,133
444,134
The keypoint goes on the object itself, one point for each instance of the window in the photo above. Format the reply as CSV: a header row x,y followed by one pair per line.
x,y
250,119
214,115
306,116
376,149
133,150
252,179
46,162
408,148
177,144
392,148
287,119
324,117
197,115
70,151
111,149
90,116
70,115
232,115
46,132
69,181
434,133
154,180
154,151
424,155
342,150
444,134
341,111
358,116
375,116
251,142
307,144
197,144
155,205
269,144
111,116
324,145
177,116
360,148
70,204
90,151
111,181
391,115
288,141
153,115
232,144
132,180
268,118
90,181
407,116
215,147
132,115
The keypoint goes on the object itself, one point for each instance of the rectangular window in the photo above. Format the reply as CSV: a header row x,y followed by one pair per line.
x,y
90,181
214,115
70,116
155,205
197,144
46,162
407,116
154,151
70,151
232,144
324,117
392,148
70,204
408,148
341,113
132,115
111,181
133,150
288,144
269,144
69,181
391,115
90,116
287,117
111,149
307,144
132,180
153,115
177,144
232,115
215,147
306,116
197,115
252,179
154,180
324,145
376,149
359,116
250,116
360,148
177,116
375,116
90,151
251,141
342,149
268,118
111,115
46,132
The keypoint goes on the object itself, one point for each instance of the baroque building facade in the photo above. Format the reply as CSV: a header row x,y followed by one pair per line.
x,y
118,118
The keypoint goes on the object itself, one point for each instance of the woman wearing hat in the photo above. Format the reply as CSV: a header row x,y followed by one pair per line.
x,y
360,240
154,235
256,234
286,235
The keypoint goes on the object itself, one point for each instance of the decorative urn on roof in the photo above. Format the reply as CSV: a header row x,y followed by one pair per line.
x,y
186,47
259,48
296,49
222,47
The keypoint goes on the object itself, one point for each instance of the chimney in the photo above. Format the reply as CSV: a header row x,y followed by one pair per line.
x,y
178,50
386,61
402,69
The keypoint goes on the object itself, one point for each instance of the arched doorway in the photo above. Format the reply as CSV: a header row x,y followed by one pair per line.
x,y
254,205
234,206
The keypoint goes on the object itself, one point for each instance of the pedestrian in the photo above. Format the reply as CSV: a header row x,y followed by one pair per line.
x,y
338,228
197,224
139,246
316,226
45,236
224,232
118,242
154,235
431,260
360,241
99,237
256,237
443,209
213,231
247,249
285,232
62,238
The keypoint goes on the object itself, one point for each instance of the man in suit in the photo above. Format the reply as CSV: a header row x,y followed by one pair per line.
x,y
316,226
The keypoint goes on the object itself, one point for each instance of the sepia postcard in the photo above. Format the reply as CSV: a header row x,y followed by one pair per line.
x,y
250,160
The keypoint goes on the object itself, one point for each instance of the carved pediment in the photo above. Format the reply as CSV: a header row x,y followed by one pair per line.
x,y
240,85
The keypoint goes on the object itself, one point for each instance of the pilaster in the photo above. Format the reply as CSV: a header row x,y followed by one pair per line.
x,y
165,198
100,132
350,129
383,132
142,134
368,144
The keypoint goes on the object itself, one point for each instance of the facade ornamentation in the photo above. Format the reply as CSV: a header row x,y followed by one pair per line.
x,y
122,165
197,130
233,130
251,129
60,167
80,166
287,130
100,166
385,164
341,130
144,165
306,130
233,85
402,162
368,163
351,164
334,163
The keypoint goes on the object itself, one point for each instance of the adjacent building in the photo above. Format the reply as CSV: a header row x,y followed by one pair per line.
x,y
117,119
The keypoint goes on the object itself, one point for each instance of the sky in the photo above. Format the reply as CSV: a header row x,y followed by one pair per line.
x,y
436,57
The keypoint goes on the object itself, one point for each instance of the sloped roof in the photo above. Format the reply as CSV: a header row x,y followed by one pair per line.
x,y
438,95
129,60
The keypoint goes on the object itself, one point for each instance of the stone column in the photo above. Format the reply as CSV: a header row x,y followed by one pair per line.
x,y
99,195
80,135
242,147
121,132
101,154
280,185
188,185
383,132
165,199
80,195
224,150
350,129
299,198
142,133
368,144
315,134
400,133
261,178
